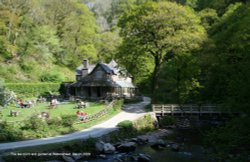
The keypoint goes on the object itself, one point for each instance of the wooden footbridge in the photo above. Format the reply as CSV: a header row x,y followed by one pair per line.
x,y
181,110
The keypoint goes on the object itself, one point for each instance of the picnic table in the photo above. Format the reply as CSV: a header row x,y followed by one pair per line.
x,y
81,104
14,113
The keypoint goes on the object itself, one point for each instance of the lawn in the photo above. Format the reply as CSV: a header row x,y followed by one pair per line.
x,y
62,109
62,120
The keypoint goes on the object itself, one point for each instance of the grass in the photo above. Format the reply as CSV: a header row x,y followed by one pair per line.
x,y
62,109
23,127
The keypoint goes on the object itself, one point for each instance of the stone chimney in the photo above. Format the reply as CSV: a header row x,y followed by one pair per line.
x,y
85,69
85,64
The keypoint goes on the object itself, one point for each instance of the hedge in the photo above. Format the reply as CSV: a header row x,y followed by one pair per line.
x,y
33,89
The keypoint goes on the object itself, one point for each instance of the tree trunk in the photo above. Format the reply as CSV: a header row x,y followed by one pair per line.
x,y
178,79
156,73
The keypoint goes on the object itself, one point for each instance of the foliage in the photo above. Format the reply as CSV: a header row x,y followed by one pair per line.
x,y
118,104
44,35
126,125
68,120
9,132
35,123
160,31
32,89
6,96
51,77
230,141
167,120
227,78
145,123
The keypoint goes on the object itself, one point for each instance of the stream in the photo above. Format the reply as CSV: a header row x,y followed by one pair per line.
x,y
189,142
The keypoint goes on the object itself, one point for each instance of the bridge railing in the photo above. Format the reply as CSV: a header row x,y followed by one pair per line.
x,y
180,109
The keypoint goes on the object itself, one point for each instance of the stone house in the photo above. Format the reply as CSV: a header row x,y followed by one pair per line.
x,y
102,81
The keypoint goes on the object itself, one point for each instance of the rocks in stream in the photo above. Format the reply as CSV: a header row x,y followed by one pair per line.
x,y
158,144
68,158
103,147
144,158
175,147
127,147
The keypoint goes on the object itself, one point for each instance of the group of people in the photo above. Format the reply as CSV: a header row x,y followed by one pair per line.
x,y
81,115
25,104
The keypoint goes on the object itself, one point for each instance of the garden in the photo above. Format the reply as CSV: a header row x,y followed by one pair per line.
x,y
29,122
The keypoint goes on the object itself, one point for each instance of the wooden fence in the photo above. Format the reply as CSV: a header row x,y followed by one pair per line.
x,y
99,114
162,110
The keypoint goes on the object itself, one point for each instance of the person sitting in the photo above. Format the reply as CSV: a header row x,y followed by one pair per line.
x,y
83,116
30,104
78,114
54,103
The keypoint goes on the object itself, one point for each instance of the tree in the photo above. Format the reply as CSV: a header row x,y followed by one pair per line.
x,y
107,45
161,31
6,96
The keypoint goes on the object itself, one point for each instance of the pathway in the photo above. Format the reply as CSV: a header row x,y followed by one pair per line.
x,y
130,112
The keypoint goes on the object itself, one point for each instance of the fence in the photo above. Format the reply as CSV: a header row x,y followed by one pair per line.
x,y
99,114
185,109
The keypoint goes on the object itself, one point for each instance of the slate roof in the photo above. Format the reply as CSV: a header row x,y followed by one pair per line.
x,y
111,68
79,69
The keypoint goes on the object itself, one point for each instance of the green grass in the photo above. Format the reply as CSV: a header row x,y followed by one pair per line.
x,y
62,109
24,127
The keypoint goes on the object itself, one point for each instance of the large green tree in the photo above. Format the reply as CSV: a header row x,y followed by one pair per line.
x,y
161,31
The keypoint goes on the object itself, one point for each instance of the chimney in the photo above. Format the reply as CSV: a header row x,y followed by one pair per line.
x,y
85,64
85,69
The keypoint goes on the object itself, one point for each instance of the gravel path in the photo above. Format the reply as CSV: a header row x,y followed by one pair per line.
x,y
130,112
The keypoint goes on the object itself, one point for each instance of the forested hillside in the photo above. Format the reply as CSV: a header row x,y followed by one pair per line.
x,y
44,40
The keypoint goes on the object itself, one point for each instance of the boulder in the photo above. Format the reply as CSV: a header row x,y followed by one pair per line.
x,y
158,144
142,139
102,156
77,157
108,148
175,147
144,158
99,146
68,158
127,147
133,140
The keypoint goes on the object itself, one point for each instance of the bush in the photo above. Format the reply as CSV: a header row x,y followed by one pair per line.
x,y
168,120
118,104
32,89
35,123
68,120
9,132
51,77
145,123
126,125
55,121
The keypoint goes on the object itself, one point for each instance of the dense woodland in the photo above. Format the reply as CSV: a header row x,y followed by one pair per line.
x,y
179,51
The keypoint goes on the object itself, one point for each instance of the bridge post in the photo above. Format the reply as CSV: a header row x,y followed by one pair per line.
x,y
162,110
191,110
172,110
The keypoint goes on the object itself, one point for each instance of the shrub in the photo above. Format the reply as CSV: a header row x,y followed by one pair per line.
x,y
9,132
126,125
55,121
35,123
51,77
145,123
32,89
168,120
68,120
118,104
